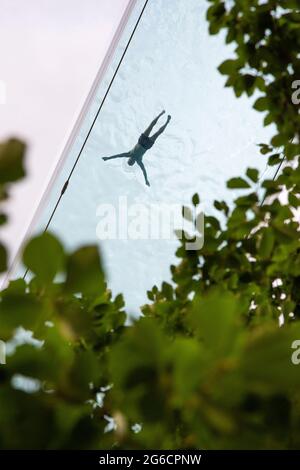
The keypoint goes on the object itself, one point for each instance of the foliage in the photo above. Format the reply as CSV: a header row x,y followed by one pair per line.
x,y
75,327
207,365
267,39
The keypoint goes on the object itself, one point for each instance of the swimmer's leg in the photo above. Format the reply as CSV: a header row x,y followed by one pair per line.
x,y
120,155
160,130
150,127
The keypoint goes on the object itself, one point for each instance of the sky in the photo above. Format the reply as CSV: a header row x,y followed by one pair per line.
x,y
51,51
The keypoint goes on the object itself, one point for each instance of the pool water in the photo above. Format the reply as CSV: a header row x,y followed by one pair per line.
x,y
171,64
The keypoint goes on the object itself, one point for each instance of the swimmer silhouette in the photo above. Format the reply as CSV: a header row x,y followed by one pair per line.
x,y
145,143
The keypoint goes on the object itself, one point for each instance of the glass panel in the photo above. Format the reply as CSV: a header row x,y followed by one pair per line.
x,y
171,64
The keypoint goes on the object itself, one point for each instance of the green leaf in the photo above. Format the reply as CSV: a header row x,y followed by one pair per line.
x,y
150,295
195,199
44,256
11,161
266,243
3,219
260,83
247,201
294,200
268,119
261,104
221,206
264,149
275,159
18,309
3,258
291,150
167,290
137,380
84,271
216,319
84,371
249,81
252,173
267,360
187,356
237,183
17,286
229,67
278,140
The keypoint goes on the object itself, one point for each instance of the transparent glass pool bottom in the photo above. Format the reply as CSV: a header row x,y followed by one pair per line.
x,y
171,64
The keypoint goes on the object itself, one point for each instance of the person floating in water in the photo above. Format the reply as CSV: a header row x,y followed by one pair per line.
x,y
145,143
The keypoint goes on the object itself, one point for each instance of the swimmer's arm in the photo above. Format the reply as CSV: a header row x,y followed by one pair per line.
x,y
141,165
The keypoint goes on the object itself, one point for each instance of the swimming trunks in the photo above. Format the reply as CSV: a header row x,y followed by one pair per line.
x,y
145,142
